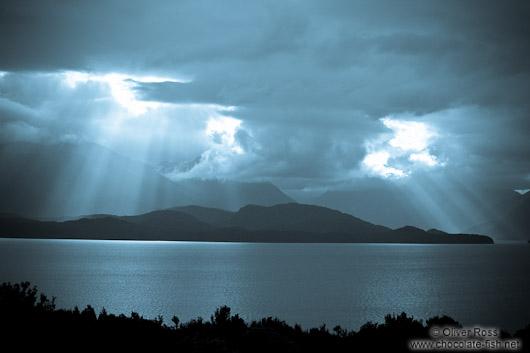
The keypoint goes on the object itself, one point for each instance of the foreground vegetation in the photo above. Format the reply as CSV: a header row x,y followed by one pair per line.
x,y
32,321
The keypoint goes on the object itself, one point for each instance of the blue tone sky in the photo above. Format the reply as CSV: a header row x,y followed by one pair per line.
x,y
310,95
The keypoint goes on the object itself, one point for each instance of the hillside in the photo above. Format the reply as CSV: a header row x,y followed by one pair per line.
x,y
514,225
279,223
452,208
64,181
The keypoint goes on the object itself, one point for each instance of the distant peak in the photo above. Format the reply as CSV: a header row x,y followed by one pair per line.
x,y
252,207
410,228
436,231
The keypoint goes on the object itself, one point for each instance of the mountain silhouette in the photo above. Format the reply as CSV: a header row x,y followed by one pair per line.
x,y
382,205
231,195
409,234
97,228
300,217
512,225
279,223
62,181
459,208
169,221
214,216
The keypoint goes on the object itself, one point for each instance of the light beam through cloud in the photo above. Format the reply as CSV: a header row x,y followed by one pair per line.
x,y
398,154
122,88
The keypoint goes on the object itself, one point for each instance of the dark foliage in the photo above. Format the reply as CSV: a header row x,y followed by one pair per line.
x,y
29,321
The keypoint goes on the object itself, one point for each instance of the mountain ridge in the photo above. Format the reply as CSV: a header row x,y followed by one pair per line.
x,y
83,178
311,224
461,209
513,225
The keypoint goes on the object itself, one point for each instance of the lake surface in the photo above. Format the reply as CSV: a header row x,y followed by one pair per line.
x,y
309,284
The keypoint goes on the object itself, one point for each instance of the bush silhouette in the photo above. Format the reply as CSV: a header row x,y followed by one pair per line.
x,y
33,321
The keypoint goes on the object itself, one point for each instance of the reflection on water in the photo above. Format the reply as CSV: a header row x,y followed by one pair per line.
x,y
310,284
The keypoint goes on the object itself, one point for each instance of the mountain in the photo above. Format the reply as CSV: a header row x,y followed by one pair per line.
x,y
386,206
299,217
103,228
213,216
62,181
279,223
512,225
78,178
283,217
232,195
455,209
409,234
169,221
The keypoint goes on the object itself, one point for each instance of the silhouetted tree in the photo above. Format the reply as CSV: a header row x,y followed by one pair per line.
x,y
176,321
34,320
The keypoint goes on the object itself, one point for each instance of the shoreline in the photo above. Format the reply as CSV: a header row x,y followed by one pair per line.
x,y
260,242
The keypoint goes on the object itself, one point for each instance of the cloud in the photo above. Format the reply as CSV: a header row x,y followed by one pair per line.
x,y
222,130
377,162
91,107
19,131
409,135
308,83
231,151
121,86
424,157
398,154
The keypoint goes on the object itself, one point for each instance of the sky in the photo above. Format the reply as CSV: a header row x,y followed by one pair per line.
x,y
309,95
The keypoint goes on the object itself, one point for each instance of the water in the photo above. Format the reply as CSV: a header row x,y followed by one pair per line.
x,y
309,284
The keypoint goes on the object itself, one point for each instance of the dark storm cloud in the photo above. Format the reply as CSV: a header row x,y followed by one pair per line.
x,y
309,79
